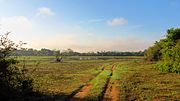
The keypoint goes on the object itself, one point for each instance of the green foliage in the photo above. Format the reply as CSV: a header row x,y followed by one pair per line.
x,y
153,53
171,59
173,34
168,52
14,82
57,55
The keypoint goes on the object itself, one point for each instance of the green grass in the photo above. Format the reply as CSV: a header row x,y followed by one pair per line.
x,y
137,79
98,85
41,58
35,58
141,82
118,70
62,78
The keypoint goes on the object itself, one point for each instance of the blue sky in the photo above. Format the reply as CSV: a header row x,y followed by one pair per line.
x,y
89,25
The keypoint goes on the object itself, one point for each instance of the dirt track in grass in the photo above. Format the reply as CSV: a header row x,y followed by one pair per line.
x,y
80,94
111,91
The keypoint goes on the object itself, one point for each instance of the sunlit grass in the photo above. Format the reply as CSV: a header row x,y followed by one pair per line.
x,y
136,79
98,85
142,82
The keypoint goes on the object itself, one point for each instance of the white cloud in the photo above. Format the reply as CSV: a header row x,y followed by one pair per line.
x,y
45,11
15,23
117,21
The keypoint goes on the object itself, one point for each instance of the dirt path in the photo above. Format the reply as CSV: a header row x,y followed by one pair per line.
x,y
112,91
80,95
82,92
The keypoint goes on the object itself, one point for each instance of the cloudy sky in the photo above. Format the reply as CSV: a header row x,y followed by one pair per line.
x,y
89,25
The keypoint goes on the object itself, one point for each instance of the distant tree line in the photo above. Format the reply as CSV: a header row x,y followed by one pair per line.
x,y
166,52
33,52
70,52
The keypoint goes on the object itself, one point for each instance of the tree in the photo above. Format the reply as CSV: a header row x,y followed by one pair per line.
x,y
173,34
57,55
167,52
153,53
171,52
14,81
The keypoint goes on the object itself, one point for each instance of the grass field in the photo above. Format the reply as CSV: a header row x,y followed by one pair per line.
x,y
119,78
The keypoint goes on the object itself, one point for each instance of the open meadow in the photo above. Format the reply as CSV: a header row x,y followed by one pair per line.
x,y
105,79
89,50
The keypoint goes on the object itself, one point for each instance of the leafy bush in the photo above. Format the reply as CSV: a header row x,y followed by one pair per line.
x,y
15,83
169,51
171,59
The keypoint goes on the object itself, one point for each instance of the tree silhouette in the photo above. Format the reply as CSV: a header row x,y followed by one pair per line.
x,y
14,81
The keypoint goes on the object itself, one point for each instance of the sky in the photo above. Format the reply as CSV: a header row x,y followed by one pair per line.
x,y
88,25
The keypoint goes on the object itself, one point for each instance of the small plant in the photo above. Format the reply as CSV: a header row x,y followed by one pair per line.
x,y
58,56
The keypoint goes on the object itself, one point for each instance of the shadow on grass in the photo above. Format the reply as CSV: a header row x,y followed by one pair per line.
x,y
38,96
87,99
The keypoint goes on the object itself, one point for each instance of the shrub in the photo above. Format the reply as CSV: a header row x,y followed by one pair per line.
x,y
171,60
169,50
15,83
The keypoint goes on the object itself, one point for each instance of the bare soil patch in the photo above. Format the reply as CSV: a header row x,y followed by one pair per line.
x,y
80,95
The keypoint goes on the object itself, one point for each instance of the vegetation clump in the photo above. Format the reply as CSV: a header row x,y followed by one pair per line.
x,y
15,83
166,52
58,56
